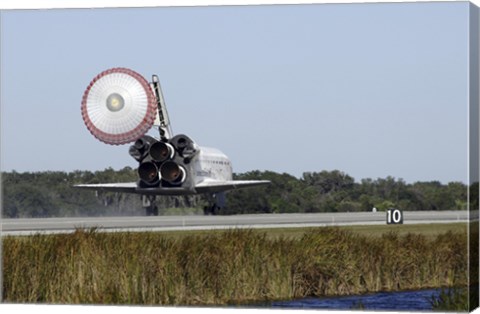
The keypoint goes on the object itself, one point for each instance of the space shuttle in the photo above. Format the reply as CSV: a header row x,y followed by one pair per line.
x,y
119,107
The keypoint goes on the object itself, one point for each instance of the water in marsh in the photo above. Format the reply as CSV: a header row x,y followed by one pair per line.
x,y
419,300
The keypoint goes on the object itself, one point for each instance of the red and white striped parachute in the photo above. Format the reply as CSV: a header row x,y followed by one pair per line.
x,y
118,106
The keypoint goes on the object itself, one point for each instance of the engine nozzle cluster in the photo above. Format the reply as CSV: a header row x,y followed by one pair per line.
x,y
163,163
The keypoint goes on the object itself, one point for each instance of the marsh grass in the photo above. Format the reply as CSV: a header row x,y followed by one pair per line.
x,y
224,267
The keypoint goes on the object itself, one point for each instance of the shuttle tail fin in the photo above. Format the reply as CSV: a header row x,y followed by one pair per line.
x,y
163,121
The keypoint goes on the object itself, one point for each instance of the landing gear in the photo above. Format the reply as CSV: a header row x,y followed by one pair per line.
x,y
151,210
218,201
149,203
211,210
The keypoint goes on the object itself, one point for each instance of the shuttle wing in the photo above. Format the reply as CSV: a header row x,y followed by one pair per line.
x,y
215,186
205,186
129,187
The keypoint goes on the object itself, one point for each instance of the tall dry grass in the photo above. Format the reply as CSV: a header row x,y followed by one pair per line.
x,y
235,266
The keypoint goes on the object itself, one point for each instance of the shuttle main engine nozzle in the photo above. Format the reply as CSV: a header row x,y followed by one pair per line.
x,y
161,151
173,173
148,173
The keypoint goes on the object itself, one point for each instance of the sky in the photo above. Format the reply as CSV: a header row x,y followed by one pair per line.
x,y
373,90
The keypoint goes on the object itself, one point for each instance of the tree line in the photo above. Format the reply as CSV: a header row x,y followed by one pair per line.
x,y
50,194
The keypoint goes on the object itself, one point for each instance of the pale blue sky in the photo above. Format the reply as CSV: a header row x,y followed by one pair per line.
x,y
369,89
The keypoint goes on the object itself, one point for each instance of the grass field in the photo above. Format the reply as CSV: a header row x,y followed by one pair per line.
x,y
230,267
428,230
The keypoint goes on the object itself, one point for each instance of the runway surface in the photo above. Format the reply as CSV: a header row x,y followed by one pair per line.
x,y
166,223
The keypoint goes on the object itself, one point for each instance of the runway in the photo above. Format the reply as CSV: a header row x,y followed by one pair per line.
x,y
167,223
